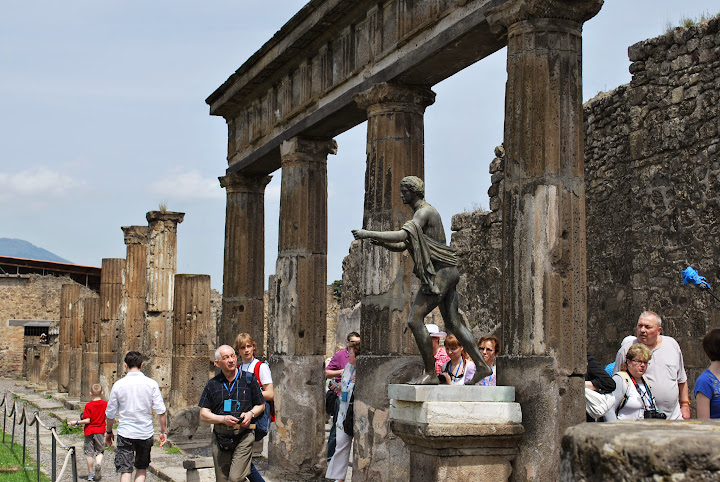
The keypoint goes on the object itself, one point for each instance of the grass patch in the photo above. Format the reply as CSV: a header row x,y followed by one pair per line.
x,y
172,450
11,469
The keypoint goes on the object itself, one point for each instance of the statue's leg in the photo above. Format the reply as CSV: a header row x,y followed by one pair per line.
x,y
421,307
446,280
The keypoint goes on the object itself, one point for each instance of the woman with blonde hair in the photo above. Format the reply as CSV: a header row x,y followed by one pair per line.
x,y
633,397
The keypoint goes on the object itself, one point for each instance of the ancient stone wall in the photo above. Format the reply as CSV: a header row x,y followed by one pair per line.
x,y
652,167
652,171
477,237
26,297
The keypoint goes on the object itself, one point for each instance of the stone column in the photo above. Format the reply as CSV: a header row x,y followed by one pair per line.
x,y
193,337
244,266
76,345
296,330
132,326
110,347
69,300
90,361
544,315
159,294
395,149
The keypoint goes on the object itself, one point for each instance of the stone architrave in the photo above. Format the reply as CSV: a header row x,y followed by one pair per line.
x,y
296,326
132,325
193,338
90,374
244,266
544,316
69,300
395,149
159,295
110,341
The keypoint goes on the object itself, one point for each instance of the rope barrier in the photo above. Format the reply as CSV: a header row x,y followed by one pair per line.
x,y
71,451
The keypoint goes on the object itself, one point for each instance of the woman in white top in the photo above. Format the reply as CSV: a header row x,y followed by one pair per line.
x,y
453,371
632,392
245,349
338,465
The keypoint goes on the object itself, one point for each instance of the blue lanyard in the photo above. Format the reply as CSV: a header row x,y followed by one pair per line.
x,y
249,364
234,382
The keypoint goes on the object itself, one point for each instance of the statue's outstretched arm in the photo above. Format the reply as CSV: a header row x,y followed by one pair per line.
x,y
382,236
397,247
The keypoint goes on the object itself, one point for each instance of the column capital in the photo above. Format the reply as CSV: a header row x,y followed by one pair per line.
x,y
135,234
164,216
393,97
237,182
514,11
306,149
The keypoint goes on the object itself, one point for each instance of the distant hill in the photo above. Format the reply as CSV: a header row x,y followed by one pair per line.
x,y
17,248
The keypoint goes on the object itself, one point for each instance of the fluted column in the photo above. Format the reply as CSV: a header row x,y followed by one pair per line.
x,y
110,344
76,343
544,315
193,341
395,149
90,366
244,266
296,328
159,295
69,314
132,326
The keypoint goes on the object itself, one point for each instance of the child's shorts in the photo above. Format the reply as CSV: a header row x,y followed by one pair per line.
x,y
94,444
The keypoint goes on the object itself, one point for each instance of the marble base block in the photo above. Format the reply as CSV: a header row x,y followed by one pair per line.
x,y
459,433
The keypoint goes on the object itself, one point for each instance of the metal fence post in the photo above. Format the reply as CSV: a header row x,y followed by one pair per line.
x,y
12,436
4,418
53,454
74,464
37,441
24,434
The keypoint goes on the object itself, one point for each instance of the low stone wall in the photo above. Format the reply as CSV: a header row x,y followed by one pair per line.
x,y
641,450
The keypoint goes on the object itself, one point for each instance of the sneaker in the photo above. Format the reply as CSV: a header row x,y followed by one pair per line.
x,y
98,472
91,477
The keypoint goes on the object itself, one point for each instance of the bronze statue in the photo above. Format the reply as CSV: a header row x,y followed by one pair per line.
x,y
435,264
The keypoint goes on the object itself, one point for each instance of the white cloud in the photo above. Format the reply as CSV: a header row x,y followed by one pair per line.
x,y
38,183
187,186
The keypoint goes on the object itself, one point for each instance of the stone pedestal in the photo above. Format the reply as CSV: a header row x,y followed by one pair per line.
x,y
544,313
159,295
244,265
395,149
110,344
457,433
641,450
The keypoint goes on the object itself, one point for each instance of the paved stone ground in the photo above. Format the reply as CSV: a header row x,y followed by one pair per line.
x,y
54,408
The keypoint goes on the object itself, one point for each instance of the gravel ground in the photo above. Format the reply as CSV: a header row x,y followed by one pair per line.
x,y
108,466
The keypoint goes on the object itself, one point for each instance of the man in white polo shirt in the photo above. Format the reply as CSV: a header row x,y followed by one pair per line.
x,y
133,398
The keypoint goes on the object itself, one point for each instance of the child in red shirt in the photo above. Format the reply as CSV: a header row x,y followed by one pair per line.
x,y
93,417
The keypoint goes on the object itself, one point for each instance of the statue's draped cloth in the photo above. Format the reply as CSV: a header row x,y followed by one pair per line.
x,y
425,252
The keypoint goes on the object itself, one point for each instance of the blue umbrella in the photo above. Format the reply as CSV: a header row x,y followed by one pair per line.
x,y
692,277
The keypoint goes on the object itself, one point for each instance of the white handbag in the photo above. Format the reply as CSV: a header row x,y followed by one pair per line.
x,y
597,404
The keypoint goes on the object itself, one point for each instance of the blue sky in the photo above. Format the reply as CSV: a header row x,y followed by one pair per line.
x,y
102,118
